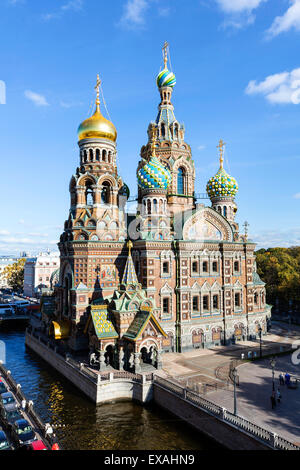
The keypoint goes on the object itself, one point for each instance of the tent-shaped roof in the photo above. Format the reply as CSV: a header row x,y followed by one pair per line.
x,y
103,325
139,324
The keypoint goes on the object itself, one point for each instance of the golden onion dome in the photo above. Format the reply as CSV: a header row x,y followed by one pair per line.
x,y
97,126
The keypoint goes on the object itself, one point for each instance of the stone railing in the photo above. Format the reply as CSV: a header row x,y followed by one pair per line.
x,y
257,432
94,376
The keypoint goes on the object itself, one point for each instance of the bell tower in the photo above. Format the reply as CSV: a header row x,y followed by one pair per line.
x,y
171,149
94,234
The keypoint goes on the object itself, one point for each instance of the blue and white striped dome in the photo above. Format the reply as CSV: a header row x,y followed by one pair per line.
x,y
153,175
166,78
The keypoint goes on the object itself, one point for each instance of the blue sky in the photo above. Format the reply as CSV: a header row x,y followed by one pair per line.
x,y
238,78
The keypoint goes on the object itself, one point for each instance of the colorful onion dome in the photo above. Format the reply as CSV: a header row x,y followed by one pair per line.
x,y
153,175
222,184
166,78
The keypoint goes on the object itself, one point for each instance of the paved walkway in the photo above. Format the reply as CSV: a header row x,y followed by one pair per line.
x,y
253,397
205,366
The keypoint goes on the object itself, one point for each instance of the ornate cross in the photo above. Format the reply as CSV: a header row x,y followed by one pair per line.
x,y
165,53
97,88
221,150
246,226
97,270
153,138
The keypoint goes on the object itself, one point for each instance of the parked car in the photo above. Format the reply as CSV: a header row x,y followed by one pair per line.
x,y
37,445
22,432
9,413
7,398
3,388
4,443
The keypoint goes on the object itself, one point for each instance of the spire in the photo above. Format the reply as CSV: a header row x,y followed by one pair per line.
x,y
129,275
221,149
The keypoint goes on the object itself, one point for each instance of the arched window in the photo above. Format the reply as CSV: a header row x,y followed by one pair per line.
x,y
89,195
163,130
181,181
225,211
97,155
148,206
91,155
104,155
105,193
85,156
176,131
155,206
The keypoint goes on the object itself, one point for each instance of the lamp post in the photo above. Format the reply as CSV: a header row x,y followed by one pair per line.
x,y
273,364
234,373
260,332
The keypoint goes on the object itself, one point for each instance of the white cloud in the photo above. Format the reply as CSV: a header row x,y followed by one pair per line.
x,y
275,238
38,100
289,20
296,196
164,11
4,232
278,88
71,5
65,104
240,12
134,13
201,147
238,6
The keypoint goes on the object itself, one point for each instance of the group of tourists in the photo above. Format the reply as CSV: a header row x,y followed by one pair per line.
x,y
276,396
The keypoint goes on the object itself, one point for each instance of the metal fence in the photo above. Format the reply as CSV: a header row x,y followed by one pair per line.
x,y
257,432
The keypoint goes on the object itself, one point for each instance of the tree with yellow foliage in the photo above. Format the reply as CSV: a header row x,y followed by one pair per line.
x,y
14,274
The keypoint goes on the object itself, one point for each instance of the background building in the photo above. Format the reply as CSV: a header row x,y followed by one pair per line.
x,y
38,271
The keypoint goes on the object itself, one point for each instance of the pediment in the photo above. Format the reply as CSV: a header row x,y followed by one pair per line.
x,y
206,287
207,224
216,286
166,289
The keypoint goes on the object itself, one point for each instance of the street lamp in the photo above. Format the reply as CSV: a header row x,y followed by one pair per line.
x,y
234,373
273,364
260,332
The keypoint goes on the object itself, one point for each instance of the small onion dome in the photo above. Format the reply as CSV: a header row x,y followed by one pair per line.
x,y
124,191
97,127
222,184
166,78
153,175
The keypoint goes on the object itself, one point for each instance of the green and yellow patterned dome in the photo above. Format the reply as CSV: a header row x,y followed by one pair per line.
x,y
222,184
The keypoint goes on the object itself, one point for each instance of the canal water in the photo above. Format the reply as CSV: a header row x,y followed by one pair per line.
x,y
113,426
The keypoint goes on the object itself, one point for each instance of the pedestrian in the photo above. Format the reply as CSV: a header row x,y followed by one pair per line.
x,y
281,379
278,394
273,401
287,378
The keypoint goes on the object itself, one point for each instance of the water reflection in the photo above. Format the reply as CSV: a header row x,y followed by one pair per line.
x,y
121,425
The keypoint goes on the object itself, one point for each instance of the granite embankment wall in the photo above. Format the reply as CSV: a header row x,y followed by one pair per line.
x,y
231,431
100,388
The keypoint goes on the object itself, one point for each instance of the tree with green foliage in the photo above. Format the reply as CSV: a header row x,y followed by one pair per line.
x,y
14,274
280,270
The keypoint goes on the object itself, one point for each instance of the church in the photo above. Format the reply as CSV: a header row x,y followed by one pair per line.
x,y
176,275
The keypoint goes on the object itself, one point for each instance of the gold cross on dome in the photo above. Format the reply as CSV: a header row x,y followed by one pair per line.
x,y
153,134
97,88
221,150
165,53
